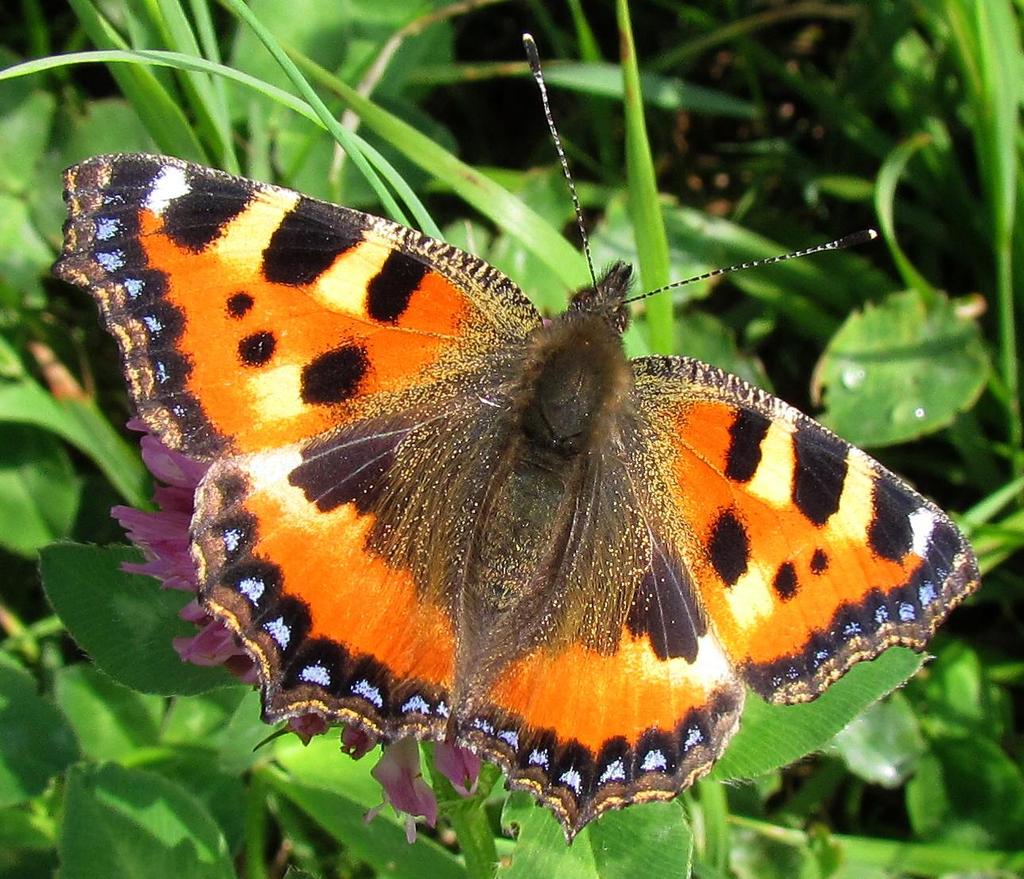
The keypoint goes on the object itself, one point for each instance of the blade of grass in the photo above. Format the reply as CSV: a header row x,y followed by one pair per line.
x,y
493,201
598,79
188,62
341,134
644,205
714,807
208,105
600,116
988,46
211,49
885,197
158,110
482,193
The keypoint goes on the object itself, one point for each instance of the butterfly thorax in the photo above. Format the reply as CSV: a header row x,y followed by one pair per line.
x,y
567,418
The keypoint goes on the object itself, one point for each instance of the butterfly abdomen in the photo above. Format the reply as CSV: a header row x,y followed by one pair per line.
x,y
521,571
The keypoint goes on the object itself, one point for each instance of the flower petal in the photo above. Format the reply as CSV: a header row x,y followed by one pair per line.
x,y
459,765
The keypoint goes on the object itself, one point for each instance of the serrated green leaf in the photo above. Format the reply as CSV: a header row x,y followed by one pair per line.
x,y
604,849
771,736
125,622
127,822
901,369
36,742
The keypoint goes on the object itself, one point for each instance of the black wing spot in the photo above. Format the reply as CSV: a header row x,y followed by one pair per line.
x,y
334,376
388,294
820,473
746,434
349,467
133,173
729,546
239,305
257,349
665,609
306,244
819,561
785,583
890,534
198,218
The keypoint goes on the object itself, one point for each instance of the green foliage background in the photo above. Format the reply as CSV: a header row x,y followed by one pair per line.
x,y
701,135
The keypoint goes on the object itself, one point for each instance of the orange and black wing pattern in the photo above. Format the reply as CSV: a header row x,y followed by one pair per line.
x,y
267,332
808,555
250,316
386,531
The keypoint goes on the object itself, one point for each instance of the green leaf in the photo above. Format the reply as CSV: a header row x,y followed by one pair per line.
x,y
900,369
219,790
227,721
26,117
771,736
24,256
336,792
758,856
36,742
40,489
883,744
126,822
104,126
125,622
606,848
23,828
967,792
80,423
110,720
960,699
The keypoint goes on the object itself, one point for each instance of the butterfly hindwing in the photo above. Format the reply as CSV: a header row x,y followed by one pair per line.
x,y
250,316
334,628
808,554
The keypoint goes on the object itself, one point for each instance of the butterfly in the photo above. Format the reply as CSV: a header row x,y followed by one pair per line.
x,y
431,512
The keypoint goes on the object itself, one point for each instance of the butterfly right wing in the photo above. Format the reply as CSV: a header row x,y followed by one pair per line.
x,y
807,554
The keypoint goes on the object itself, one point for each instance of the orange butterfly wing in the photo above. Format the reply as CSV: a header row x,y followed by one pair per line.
x,y
250,316
255,324
809,555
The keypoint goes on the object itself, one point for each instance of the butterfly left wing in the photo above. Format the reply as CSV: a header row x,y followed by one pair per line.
x,y
250,316
294,344
808,554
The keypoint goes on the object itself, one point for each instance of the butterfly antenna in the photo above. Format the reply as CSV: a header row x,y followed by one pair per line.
x,y
533,56
853,240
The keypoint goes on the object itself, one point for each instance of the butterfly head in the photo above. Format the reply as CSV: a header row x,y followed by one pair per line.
x,y
607,297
